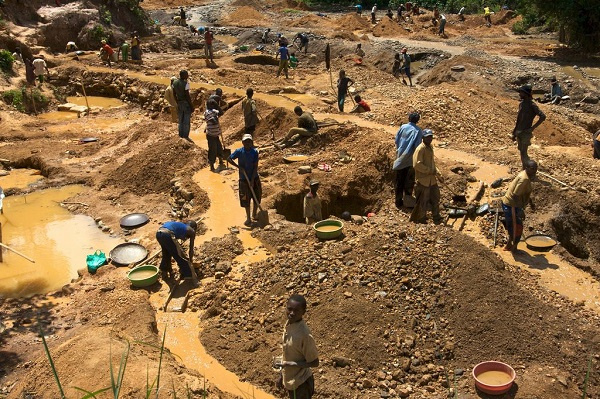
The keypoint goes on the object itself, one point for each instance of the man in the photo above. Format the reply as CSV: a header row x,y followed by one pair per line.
x,y
399,12
299,352
284,58
408,138
71,46
517,196
182,16
136,49
427,190
123,52
361,106
106,53
167,236
312,204
293,61
303,38
208,44
181,90
213,135
358,9
29,72
487,15
406,66
389,14
1,198
250,112
555,92
441,31
217,97
17,55
342,85
170,98
39,66
265,36
282,41
307,127
596,144
461,13
373,12
359,51
523,131
247,157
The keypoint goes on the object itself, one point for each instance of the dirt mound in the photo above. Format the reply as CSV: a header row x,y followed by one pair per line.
x,y
280,120
345,35
387,27
352,22
310,21
415,311
151,170
293,4
246,16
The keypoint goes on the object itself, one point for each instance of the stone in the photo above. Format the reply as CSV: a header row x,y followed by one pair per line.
x,y
348,294
321,277
340,361
366,383
304,170
224,267
219,275
457,68
357,219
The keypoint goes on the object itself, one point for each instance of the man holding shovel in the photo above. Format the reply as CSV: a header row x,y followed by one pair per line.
x,y
427,190
250,112
167,236
514,201
249,182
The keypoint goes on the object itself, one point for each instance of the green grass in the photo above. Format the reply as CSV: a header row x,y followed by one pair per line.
x,y
6,61
16,98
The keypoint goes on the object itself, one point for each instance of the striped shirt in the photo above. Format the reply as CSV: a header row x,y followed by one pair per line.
x,y
213,128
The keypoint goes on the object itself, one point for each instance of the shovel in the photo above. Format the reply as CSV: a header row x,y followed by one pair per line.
x,y
270,128
226,151
263,216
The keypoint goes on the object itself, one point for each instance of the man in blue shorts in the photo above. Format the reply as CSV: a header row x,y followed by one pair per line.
x,y
247,157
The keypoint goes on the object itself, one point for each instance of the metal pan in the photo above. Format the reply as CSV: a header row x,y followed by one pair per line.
x,y
540,242
483,209
134,220
457,213
88,140
295,158
128,253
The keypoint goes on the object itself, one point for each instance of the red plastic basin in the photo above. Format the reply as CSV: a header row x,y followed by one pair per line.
x,y
487,384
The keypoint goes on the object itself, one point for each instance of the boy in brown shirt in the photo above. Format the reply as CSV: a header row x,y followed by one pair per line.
x,y
299,352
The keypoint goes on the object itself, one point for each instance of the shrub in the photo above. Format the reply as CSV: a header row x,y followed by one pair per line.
x,y
97,33
15,98
105,15
519,28
6,61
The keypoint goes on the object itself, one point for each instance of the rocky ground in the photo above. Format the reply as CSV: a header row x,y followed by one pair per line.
x,y
397,310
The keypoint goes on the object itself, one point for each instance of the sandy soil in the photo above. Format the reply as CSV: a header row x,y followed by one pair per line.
x,y
397,310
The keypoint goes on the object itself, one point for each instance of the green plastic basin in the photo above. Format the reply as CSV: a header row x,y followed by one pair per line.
x,y
328,229
143,276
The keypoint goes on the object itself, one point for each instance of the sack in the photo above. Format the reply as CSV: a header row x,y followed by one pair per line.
x,y
95,260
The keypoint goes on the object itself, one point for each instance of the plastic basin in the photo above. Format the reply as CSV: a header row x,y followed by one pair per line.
x,y
494,378
143,276
328,229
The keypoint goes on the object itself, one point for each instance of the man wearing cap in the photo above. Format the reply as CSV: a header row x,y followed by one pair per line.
x,y
247,157
170,98
181,89
408,138
250,112
517,196
312,204
307,127
523,131
167,236
217,97
427,190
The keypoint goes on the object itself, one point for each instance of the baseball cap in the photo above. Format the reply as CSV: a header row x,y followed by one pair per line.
x,y
427,133
247,137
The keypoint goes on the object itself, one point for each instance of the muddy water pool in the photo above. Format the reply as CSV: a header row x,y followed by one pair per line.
x,y
20,178
37,226
96,101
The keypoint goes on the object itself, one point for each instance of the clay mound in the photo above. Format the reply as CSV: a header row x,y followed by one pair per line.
x,y
352,22
310,20
151,170
386,27
297,5
504,17
278,119
245,16
346,36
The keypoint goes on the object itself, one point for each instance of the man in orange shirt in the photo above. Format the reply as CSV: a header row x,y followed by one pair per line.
x,y
208,40
106,52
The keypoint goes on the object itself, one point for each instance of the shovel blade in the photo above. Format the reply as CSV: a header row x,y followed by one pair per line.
x,y
262,217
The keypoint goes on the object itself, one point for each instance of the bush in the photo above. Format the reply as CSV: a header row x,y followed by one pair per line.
x,y
97,33
105,15
6,61
15,98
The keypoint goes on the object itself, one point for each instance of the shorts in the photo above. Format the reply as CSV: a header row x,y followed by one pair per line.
x,y
246,195
523,140
406,70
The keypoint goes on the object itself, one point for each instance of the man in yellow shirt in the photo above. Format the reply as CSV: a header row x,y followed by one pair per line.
x,y
250,112
426,190
312,204
170,98
487,14
299,352
514,202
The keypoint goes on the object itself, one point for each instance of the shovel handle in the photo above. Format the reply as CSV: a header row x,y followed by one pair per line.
x,y
251,189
